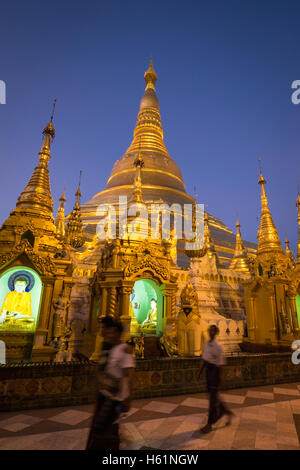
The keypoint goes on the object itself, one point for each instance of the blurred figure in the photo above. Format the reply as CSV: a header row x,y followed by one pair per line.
x,y
115,371
213,360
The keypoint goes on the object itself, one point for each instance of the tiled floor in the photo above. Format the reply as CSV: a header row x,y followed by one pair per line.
x,y
265,418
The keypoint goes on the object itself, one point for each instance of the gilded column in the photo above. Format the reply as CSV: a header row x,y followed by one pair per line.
x,y
291,301
103,310
251,319
43,322
112,307
124,313
275,330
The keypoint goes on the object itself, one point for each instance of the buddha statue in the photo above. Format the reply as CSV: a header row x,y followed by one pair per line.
x,y
16,307
149,324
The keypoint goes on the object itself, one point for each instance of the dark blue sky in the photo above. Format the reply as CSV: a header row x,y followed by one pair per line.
x,y
224,69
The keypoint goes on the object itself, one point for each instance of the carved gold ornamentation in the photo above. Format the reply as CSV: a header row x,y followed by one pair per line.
x,y
43,264
189,298
147,262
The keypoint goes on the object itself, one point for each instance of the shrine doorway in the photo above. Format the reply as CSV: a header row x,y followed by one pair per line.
x,y
146,308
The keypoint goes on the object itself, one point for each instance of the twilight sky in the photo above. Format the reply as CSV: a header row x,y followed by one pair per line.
x,y
224,70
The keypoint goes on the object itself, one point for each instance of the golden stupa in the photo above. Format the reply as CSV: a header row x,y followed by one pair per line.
x,y
162,179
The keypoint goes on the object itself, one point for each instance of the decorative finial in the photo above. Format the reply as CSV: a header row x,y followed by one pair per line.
x,y
78,192
53,109
63,196
261,178
259,164
239,262
49,130
150,76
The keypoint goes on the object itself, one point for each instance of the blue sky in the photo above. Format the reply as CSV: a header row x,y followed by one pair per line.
x,y
224,70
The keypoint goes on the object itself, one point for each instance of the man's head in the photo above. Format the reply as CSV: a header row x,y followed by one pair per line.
x,y
20,284
213,330
111,330
153,303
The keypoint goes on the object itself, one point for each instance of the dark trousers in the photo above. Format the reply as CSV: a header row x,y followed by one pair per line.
x,y
104,433
217,407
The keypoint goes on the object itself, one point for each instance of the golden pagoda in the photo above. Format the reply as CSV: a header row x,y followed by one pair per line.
x,y
268,239
70,276
239,261
74,234
270,292
162,179
60,217
32,271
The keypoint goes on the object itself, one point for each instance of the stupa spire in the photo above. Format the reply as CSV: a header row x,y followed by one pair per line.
x,y
288,251
137,196
239,261
60,217
74,232
208,243
37,193
268,239
150,76
148,134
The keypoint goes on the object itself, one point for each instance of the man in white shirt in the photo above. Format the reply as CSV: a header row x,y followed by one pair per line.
x,y
213,360
115,371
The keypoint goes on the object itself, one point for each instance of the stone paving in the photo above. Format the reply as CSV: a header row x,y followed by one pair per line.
x,y
265,418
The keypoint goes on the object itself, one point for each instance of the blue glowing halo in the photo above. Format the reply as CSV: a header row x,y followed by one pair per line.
x,y
16,275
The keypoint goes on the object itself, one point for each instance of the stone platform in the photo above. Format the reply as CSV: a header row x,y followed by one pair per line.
x,y
41,385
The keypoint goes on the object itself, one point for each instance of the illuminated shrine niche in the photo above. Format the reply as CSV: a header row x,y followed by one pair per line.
x,y
20,294
146,304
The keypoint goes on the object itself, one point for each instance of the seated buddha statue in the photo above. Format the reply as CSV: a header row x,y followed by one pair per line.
x,y
149,324
17,304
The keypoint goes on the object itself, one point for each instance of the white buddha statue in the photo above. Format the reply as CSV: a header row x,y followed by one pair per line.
x,y
149,324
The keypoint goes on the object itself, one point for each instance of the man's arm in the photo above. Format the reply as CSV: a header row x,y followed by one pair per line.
x,y
203,365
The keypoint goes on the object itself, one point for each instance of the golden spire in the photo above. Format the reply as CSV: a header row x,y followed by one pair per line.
x,y
74,232
37,193
150,76
298,245
268,239
239,261
137,196
208,244
60,217
148,133
288,251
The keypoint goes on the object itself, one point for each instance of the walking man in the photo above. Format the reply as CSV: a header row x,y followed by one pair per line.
x,y
213,360
115,371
